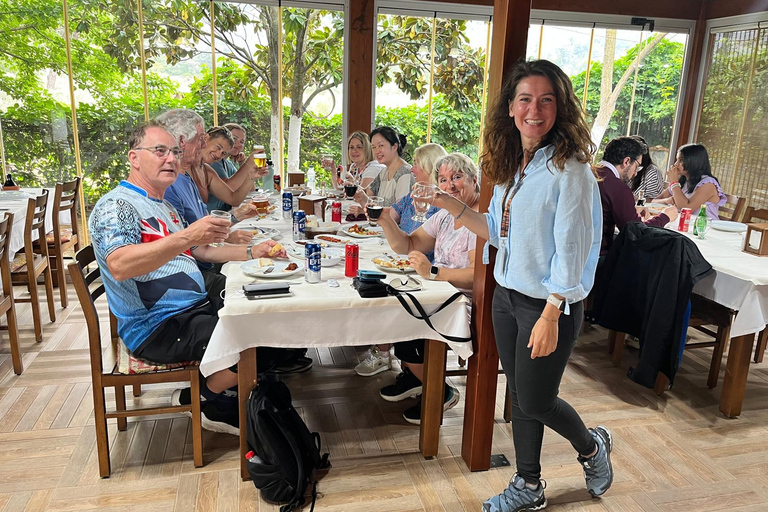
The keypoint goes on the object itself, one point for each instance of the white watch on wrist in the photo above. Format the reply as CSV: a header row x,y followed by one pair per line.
x,y
433,272
558,303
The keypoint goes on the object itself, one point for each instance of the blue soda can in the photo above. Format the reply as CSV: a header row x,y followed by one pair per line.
x,y
299,224
287,205
312,267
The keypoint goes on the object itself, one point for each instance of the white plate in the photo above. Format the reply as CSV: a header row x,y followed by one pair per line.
x,y
254,269
375,231
383,258
333,239
730,226
260,232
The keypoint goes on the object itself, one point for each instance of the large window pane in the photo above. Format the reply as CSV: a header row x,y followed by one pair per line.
x,y
732,124
34,93
404,67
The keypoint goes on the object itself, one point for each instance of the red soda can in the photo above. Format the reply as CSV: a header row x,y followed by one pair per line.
x,y
351,259
336,211
276,181
685,220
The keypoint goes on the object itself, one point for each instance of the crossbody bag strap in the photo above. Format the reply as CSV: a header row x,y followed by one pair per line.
x,y
423,314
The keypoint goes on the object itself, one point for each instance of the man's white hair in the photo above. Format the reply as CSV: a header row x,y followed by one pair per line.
x,y
181,122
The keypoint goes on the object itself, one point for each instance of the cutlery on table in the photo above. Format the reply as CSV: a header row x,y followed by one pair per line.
x,y
269,270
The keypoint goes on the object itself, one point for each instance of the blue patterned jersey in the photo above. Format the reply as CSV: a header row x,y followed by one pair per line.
x,y
127,216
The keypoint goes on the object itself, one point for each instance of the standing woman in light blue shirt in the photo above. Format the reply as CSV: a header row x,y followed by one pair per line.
x,y
545,219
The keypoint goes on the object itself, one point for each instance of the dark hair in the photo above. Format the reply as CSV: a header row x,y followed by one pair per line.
x,y
622,147
221,132
391,136
695,161
138,134
503,147
646,162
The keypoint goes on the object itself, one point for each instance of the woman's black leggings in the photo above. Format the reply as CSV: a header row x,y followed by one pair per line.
x,y
534,383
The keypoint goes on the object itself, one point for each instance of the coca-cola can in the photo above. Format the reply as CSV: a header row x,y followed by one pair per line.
x,y
336,211
351,259
276,182
685,220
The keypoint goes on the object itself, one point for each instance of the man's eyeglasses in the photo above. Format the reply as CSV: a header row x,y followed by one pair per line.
x,y
162,151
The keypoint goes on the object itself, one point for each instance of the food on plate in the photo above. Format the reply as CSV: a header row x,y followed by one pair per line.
x,y
275,249
290,267
358,229
266,262
331,239
399,263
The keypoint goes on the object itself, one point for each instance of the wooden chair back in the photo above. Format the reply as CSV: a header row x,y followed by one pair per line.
x,y
7,306
732,208
64,201
752,214
36,208
85,275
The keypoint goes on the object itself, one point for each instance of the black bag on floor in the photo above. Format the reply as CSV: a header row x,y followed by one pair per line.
x,y
287,453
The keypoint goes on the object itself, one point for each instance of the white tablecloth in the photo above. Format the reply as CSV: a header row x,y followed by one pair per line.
x,y
740,281
318,315
12,203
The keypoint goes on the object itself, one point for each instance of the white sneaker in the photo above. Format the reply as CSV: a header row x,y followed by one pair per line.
x,y
374,363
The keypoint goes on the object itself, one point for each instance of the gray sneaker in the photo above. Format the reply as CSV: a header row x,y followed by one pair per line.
x,y
517,497
598,471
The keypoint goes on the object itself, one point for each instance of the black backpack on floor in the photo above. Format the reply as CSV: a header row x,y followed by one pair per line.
x,y
287,453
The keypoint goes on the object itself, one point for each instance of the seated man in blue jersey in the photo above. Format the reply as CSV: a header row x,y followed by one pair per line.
x,y
147,255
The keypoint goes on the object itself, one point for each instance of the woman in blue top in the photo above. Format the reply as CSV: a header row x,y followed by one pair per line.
x,y
545,218
691,184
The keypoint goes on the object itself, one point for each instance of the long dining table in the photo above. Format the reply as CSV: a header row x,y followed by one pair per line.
x,y
740,283
323,315
15,202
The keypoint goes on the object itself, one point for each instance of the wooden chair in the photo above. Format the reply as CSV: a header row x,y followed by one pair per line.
x,y
751,215
30,263
84,273
732,208
63,237
7,306
703,313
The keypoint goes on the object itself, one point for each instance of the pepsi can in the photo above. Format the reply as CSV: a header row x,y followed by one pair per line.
x,y
299,224
287,205
312,267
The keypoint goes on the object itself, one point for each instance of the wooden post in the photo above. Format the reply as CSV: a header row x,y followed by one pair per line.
x,y
510,32
362,34
692,79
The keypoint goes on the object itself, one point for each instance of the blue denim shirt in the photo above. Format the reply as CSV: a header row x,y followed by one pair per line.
x,y
554,232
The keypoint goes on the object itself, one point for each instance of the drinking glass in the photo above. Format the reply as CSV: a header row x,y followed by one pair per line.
x,y
374,207
219,214
422,194
260,156
701,231
350,186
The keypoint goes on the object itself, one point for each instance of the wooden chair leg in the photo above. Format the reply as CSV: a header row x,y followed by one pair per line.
x,y
662,383
61,279
34,299
507,406
197,427
13,338
102,434
137,390
49,293
723,335
122,423
616,339
762,341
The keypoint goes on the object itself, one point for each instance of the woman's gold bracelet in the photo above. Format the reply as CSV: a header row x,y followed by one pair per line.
x,y
548,319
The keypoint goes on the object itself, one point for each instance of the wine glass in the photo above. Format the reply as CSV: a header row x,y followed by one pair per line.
x,y
374,207
350,186
701,229
422,194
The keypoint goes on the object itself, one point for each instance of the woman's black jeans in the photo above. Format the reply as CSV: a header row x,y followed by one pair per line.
x,y
534,383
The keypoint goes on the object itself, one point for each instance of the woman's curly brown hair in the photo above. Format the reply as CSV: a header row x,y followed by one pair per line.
x,y
503,147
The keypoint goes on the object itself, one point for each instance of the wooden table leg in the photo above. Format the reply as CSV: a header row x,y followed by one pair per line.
x,y
736,372
432,396
246,381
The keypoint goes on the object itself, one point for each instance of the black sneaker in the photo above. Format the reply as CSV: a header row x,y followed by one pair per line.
x,y
406,385
413,414
216,417
294,365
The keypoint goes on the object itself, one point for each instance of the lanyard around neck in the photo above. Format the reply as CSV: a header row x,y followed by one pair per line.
x,y
507,201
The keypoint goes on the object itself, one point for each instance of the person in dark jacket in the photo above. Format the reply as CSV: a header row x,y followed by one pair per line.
x,y
643,288
620,164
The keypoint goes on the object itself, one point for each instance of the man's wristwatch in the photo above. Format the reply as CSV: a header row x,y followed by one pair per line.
x,y
249,252
433,272
558,303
